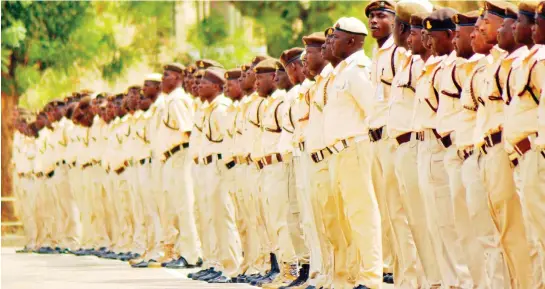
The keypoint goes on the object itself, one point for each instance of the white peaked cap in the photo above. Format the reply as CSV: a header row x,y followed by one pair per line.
x,y
351,25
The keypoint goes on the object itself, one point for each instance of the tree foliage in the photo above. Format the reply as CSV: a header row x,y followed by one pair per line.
x,y
284,23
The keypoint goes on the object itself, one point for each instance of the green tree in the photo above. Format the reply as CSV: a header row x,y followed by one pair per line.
x,y
46,44
284,23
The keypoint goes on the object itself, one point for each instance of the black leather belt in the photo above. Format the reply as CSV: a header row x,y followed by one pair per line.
x,y
143,161
465,153
320,155
404,138
445,140
122,168
50,174
302,146
86,165
63,162
375,134
231,164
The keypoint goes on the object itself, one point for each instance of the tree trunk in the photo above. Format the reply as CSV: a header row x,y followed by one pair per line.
x,y
8,207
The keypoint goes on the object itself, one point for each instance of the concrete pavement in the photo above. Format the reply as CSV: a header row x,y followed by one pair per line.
x,y
34,271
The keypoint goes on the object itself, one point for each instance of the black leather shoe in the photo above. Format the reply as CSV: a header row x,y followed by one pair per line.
x,y
143,264
311,287
47,250
361,287
268,279
128,256
201,273
389,279
210,276
24,250
181,263
220,280
301,279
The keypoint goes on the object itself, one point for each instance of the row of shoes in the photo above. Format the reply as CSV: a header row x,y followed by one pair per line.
x,y
179,263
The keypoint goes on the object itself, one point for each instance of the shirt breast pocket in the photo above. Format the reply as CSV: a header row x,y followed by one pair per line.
x,y
341,87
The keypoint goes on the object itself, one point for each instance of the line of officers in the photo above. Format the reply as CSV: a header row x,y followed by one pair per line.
x,y
321,169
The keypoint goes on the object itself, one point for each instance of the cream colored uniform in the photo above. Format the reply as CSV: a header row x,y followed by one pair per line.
x,y
97,196
31,154
414,241
120,184
386,60
497,174
447,89
179,201
251,134
539,146
345,132
69,225
141,140
201,210
110,188
324,205
275,200
224,241
74,173
521,94
305,241
431,172
246,212
485,254
45,205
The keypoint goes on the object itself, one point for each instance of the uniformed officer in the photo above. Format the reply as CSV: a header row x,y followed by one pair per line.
x,y
181,240
521,94
386,59
345,131
143,162
410,228
223,240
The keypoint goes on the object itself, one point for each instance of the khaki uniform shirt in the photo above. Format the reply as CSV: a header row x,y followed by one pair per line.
x,y
386,61
300,110
541,109
141,137
252,127
527,78
230,131
402,99
348,101
117,139
214,126
314,133
452,79
289,121
426,100
490,109
271,125
176,121
465,128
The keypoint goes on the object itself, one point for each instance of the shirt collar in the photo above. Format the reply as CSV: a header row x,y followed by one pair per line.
x,y
497,52
354,56
451,58
519,52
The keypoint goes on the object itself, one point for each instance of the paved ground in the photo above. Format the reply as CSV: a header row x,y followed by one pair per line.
x,y
33,271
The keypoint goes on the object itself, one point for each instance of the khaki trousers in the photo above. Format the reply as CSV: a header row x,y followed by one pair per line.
x,y
136,205
528,186
326,217
487,255
69,221
258,199
396,231
224,239
414,204
505,208
462,222
123,240
152,221
349,171
301,217
257,258
434,182
96,200
45,213
26,201
241,214
75,182
275,205
384,182
180,228
85,206
202,213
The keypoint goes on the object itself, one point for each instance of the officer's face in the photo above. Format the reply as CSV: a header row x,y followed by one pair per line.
x,y
538,30
151,88
232,89
170,80
196,82
249,79
415,42
479,39
506,39
264,83
462,41
144,102
282,79
207,88
441,41
314,60
339,41
522,28
490,27
381,24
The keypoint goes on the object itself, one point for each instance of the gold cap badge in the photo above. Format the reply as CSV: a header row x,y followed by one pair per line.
x,y
428,24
